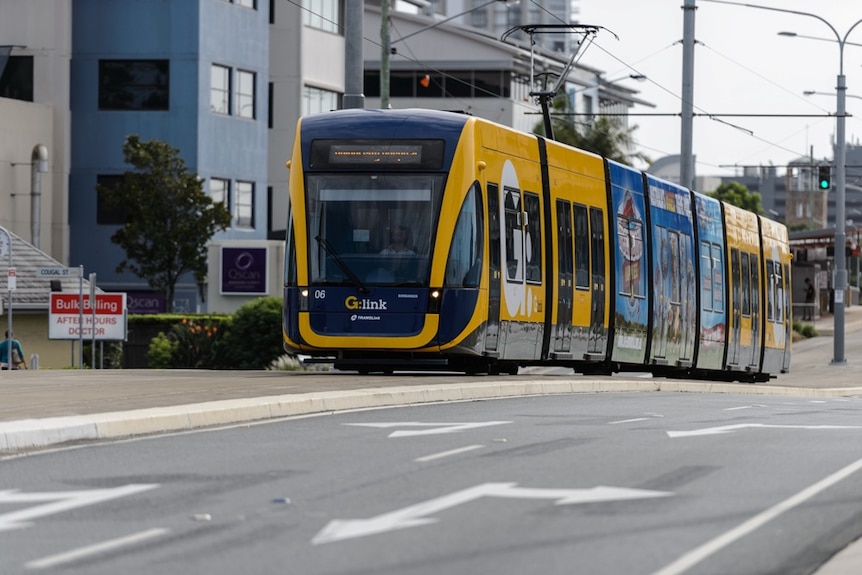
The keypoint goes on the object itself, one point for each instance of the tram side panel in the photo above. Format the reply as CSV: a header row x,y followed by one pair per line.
x,y
745,334
580,241
629,232
777,320
673,276
712,308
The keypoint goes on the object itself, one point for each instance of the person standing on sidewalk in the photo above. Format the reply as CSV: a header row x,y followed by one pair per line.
x,y
17,353
808,310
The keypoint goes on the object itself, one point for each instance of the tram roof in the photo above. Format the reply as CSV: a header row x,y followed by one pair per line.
x,y
361,122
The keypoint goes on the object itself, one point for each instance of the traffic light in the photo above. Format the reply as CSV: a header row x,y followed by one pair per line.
x,y
824,177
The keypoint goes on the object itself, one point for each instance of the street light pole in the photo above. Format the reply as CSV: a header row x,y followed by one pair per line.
x,y
840,179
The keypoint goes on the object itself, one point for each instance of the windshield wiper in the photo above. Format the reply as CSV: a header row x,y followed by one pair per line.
x,y
343,266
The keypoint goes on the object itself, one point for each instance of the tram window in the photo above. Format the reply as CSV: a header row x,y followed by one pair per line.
x,y
754,268
582,248
779,293
564,240
514,236
290,252
771,286
675,275
494,225
353,215
597,245
533,236
464,264
746,284
717,279
631,249
706,276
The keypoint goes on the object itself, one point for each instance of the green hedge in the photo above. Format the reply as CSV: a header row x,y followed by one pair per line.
x,y
250,338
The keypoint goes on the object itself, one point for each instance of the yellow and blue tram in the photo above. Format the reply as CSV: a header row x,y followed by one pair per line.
x,y
420,239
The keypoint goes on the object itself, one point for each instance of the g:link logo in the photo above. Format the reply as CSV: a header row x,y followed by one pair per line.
x,y
353,302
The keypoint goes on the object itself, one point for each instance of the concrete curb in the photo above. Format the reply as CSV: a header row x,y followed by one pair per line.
x,y
27,434
17,436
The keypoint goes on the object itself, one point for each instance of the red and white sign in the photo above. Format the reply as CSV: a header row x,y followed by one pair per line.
x,y
110,319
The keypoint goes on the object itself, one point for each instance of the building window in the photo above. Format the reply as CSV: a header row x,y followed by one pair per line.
x,y
220,89
245,94
269,101
245,204
220,191
322,14
315,100
134,84
106,214
16,78
246,3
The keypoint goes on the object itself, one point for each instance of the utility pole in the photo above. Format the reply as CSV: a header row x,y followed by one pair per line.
x,y
686,160
384,54
354,78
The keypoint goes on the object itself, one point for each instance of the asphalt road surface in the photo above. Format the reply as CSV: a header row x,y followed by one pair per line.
x,y
652,484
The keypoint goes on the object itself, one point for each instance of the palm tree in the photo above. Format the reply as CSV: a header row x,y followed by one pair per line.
x,y
604,136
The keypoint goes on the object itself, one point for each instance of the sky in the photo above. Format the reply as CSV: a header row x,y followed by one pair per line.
x,y
741,67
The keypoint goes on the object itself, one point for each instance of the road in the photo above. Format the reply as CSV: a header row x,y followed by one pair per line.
x,y
651,483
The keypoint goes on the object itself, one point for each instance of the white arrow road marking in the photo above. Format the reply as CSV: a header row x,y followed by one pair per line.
x,y
731,428
436,428
58,501
415,515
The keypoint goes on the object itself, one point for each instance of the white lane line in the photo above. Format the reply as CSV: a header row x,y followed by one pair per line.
x,y
697,555
448,453
628,420
110,545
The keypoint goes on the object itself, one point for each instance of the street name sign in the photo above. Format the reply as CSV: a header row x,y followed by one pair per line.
x,y
57,272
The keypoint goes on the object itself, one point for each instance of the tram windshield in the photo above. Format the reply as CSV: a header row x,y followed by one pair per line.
x,y
372,229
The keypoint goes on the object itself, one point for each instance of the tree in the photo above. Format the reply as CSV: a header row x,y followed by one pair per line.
x,y
604,136
738,195
169,219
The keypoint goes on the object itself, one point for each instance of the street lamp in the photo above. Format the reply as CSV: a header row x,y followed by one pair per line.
x,y
795,35
840,167
840,196
833,94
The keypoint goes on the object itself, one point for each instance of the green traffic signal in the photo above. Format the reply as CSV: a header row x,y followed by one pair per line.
x,y
824,179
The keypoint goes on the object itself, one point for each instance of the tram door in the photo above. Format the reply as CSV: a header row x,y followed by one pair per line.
x,y
494,274
735,308
756,331
563,331
597,259
788,325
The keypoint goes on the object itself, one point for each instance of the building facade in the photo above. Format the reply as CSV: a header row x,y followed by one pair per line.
x,y
224,82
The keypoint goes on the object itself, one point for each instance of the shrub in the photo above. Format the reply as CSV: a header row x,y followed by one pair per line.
x,y
253,339
809,331
161,351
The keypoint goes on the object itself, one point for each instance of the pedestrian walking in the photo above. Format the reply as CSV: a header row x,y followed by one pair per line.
x,y
18,361
808,311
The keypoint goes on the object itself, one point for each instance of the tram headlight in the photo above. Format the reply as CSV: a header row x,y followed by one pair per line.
x,y
434,298
303,299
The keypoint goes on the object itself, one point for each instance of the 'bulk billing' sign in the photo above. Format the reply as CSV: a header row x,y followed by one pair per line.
x,y
65,317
